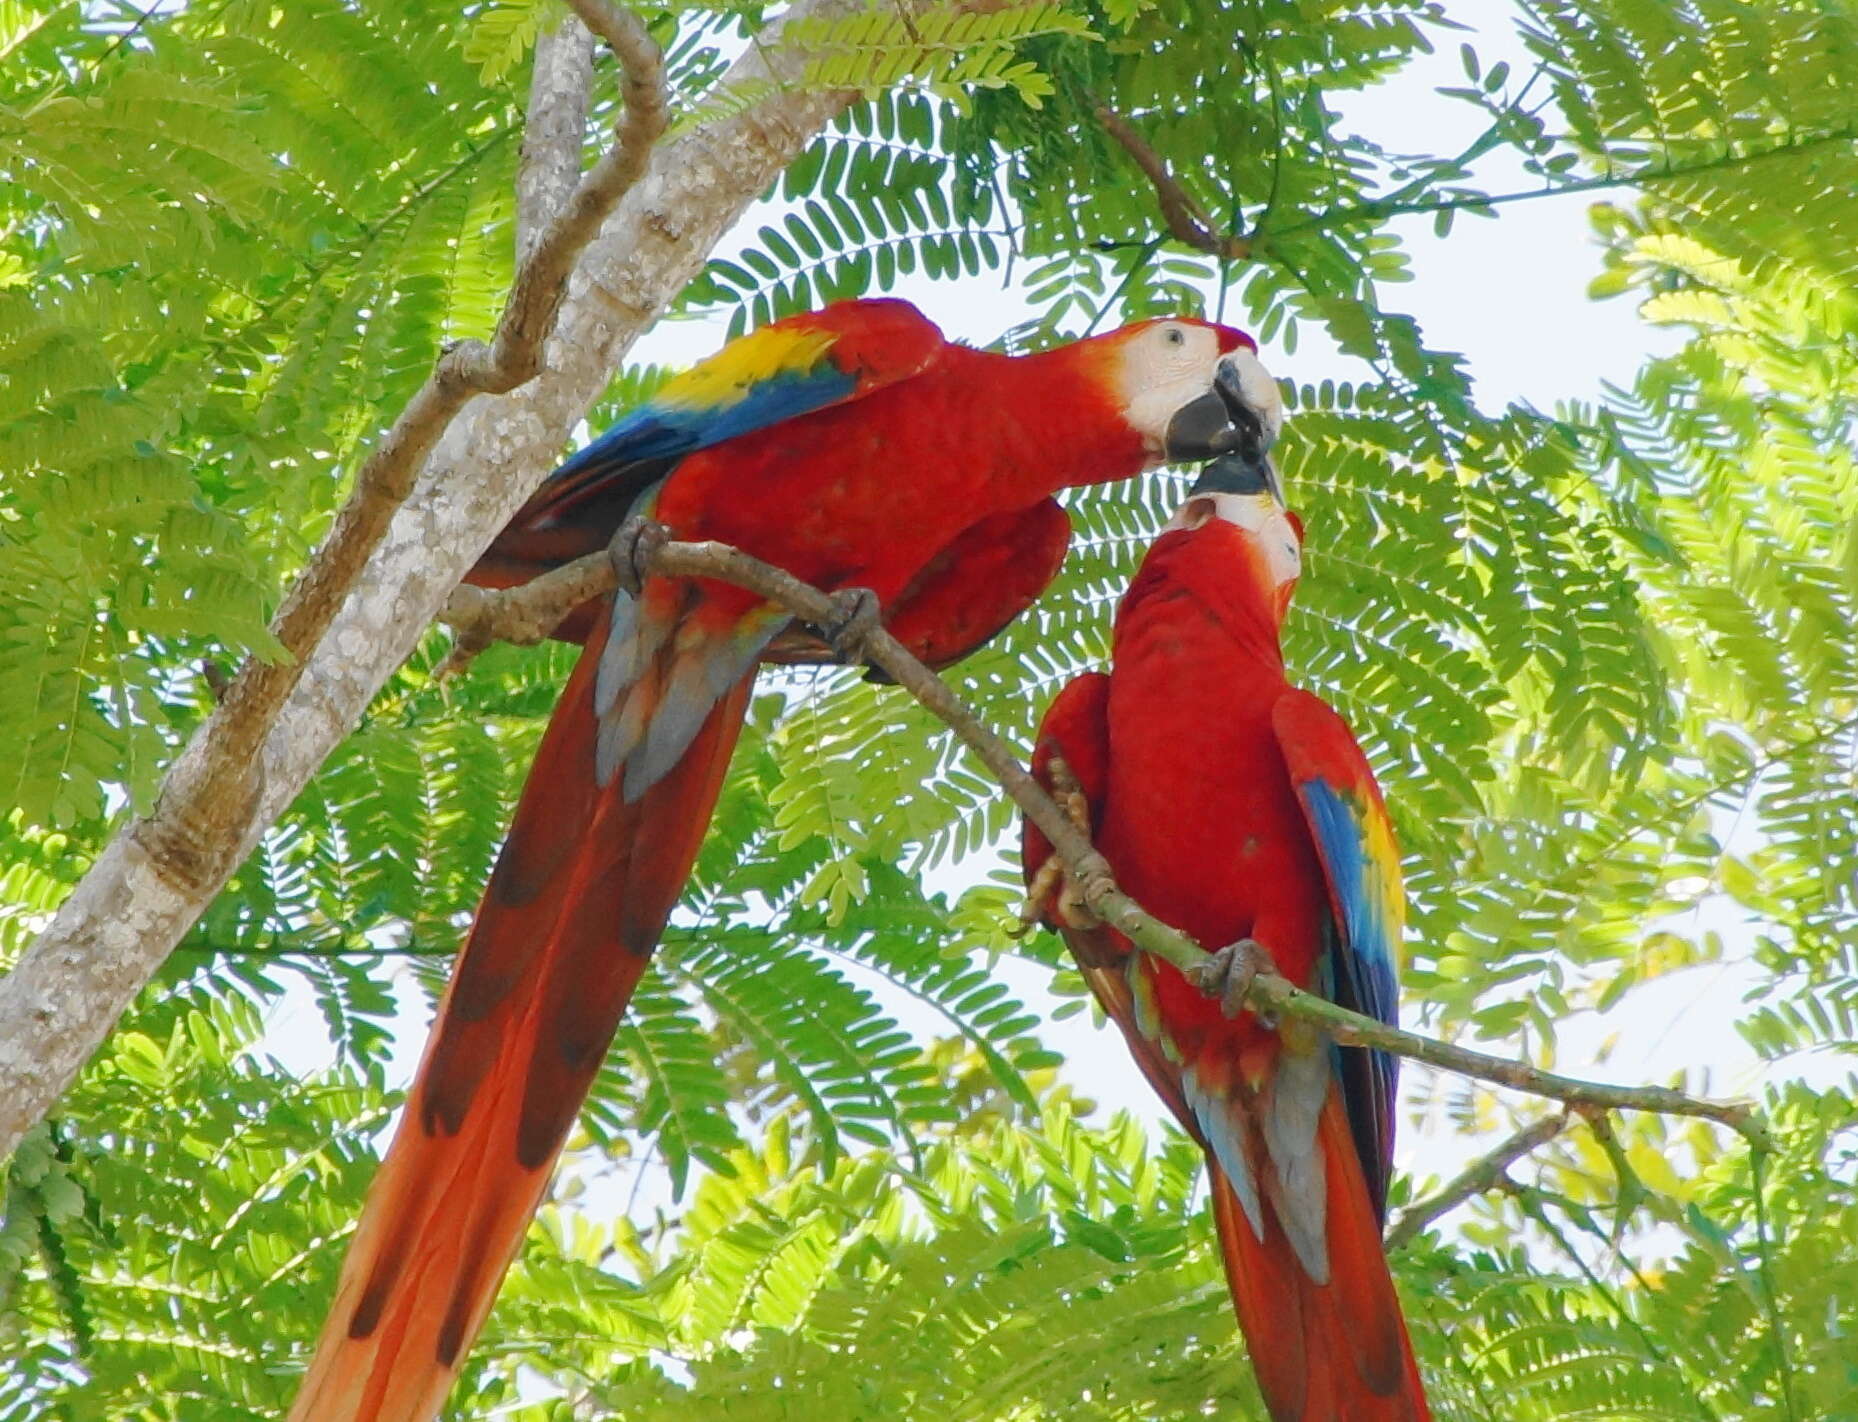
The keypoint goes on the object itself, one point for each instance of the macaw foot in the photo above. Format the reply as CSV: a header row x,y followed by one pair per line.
x,y
1226,976
633,547
1038,889
855,616
1050,882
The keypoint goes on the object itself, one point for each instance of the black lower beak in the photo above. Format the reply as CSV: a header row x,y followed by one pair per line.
x,y
1201,429
1240,473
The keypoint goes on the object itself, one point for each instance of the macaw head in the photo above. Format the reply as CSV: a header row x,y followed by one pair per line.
x,y
1234,493
1195,391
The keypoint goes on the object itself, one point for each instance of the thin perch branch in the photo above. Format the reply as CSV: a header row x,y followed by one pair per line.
x,y
478,615
1488,1172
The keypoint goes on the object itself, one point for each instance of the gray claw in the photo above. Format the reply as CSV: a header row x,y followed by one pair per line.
x,y
1227,975
856,616
633,548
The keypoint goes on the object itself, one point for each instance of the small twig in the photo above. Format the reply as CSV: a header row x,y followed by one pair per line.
x,y
284,952
1110,302
1630,1192
1378,210
1489,1172
1764,1275
477,616
141,19
1533,1204
1187,221
909,24
1269,209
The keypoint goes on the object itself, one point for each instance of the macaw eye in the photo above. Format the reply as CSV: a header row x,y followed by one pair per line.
x,y
1176,336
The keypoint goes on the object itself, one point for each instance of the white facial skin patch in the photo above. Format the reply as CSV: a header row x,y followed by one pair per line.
x,y
1164,367
1265,523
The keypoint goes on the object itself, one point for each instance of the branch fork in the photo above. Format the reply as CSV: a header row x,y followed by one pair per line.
x,y
353,613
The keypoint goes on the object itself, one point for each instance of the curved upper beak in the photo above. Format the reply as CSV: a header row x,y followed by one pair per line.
x,y
1225,421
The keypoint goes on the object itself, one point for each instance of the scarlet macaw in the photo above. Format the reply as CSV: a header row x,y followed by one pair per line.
x,y
1240,810
857,449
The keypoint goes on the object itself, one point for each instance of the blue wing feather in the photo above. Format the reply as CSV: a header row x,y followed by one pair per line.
x,y
669,431
1362,981
1360,861
779,372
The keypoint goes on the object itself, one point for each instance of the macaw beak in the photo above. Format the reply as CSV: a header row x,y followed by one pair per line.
x,y
1238,474
1223,424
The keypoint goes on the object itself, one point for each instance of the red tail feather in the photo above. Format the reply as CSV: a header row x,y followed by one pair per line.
x,y
567,925
1335,1352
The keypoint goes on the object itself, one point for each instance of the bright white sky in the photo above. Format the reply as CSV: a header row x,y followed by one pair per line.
x,y
1510,294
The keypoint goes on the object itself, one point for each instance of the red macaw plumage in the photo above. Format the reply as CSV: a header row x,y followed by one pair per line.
x,y
856,448
1236,807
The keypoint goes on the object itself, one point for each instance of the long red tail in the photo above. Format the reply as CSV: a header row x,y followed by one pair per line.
x,y
579,897
1334,1352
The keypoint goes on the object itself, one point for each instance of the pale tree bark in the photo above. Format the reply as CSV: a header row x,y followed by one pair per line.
x,y
560,81
250,759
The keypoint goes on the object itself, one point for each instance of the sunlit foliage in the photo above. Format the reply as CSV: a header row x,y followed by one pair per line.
x,y
1602,656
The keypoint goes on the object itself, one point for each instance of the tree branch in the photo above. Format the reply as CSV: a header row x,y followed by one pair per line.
x,y
191,825
478,614
1187,221
559,82
347,625
1489,1172
1640,178
514,354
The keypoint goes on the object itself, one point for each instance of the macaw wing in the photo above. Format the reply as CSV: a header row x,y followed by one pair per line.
x,y
1361,864
968,594
1076,729
980,583
777,372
